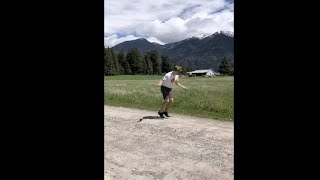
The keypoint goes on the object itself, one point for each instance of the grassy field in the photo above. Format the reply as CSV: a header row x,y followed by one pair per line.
x,y
210,97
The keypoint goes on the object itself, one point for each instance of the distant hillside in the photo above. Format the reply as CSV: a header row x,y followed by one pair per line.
x,y
204,51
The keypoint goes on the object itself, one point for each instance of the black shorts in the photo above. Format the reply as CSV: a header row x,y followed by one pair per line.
x,y
166,92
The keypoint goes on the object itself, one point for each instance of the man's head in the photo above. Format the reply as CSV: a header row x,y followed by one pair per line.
x,y
177,69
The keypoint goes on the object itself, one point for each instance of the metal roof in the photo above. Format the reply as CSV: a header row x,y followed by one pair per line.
x,y
201,71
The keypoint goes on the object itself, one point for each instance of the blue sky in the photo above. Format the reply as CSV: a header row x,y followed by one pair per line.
x,y
165,21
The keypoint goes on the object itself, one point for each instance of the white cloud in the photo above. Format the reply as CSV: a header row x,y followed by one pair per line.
x,y
153,39
165,20
113,40
168,31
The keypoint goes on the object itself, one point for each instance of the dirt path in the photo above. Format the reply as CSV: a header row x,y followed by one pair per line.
x,y
180,147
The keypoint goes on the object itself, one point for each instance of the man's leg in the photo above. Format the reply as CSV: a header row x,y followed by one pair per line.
x,y
164,105
168,105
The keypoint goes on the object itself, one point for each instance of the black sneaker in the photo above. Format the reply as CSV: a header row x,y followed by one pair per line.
x,y
160,114
166,114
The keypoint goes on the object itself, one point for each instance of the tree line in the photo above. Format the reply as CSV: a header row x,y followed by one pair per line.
x,y
150,63
135,62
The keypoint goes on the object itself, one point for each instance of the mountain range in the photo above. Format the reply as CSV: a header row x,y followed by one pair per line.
x,y
202,52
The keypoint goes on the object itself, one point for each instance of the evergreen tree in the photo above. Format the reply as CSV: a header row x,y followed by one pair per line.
x,y
224,67
105,61
135,61
149,69
184,70
155,59
122,62
166,66
115,62
109,64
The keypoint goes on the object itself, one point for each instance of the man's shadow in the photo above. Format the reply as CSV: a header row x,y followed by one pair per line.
x,y
151,118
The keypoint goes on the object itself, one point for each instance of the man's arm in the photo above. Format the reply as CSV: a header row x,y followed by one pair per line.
x,y
160,83
180,85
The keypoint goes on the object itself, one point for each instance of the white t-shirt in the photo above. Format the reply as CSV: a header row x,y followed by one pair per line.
x,y
169,79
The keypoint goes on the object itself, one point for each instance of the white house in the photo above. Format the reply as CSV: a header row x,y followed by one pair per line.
x,y
205,72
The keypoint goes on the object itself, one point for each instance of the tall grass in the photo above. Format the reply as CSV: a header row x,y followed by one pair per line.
x,y
205,97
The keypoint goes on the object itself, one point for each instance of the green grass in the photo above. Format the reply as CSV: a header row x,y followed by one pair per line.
x,y
205,97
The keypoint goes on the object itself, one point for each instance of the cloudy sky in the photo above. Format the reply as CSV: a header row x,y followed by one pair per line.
x,y
164,21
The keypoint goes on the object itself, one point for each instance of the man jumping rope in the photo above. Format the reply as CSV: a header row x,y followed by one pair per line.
x,y
166,89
